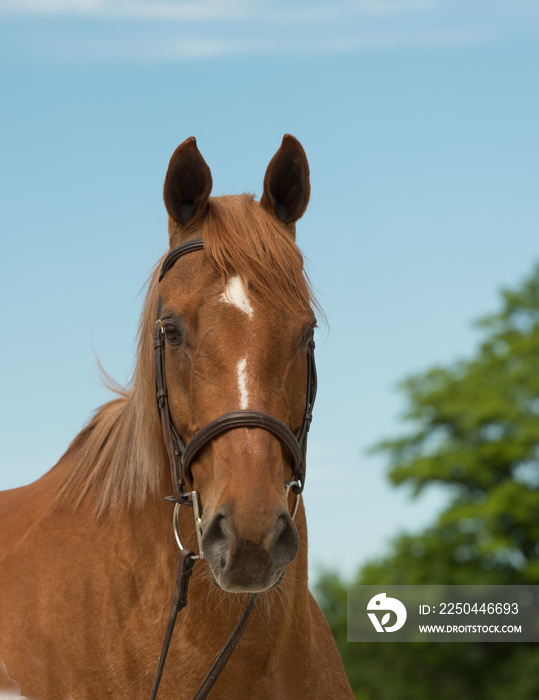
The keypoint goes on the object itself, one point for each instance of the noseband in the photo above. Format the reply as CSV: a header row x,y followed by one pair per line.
x,y
181,456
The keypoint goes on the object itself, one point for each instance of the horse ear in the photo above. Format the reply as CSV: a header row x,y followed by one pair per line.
x,y
286,183
188,183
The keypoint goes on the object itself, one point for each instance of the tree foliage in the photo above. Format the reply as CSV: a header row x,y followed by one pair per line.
x,y
473,427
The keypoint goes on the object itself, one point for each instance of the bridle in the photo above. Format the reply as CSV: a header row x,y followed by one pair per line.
x,y
181,456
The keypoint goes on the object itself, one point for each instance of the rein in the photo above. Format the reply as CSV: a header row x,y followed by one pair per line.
x,y
181,456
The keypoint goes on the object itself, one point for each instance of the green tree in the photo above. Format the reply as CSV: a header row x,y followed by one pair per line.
x,y
474,428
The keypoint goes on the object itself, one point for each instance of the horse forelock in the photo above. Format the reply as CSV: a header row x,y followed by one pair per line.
x,y
242,238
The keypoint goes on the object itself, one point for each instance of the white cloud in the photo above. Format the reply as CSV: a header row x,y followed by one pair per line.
x,y
168,30
216,10
128,9
394,7
52,7
201,11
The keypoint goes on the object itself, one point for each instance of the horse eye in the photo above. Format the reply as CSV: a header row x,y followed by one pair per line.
x,y
172,334
308,335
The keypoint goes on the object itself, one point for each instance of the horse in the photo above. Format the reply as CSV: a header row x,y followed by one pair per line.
x,y
89,553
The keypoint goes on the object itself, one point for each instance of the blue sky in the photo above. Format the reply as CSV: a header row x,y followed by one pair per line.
x,y
419,118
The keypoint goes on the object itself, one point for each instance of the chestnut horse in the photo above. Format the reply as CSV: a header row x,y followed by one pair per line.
x,y
88,558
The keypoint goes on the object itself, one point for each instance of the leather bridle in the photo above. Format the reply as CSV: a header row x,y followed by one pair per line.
x,y
181,456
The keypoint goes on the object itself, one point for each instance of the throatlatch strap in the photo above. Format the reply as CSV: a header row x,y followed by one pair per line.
x,y
179,601
226,651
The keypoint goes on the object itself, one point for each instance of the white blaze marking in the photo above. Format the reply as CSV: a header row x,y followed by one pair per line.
x,y
242,383
236,294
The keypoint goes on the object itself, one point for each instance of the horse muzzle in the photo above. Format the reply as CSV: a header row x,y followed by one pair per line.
x,y
242,560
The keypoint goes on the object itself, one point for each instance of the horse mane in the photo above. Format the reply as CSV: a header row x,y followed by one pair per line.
x,y
119,453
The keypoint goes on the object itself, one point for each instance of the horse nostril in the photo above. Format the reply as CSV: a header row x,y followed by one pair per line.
x,y
286,543
215,540
215,530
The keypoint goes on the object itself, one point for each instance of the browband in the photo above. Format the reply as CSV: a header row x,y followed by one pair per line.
x,y
178,252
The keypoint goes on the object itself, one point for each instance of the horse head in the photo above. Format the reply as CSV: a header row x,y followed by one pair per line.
x,y
236,320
